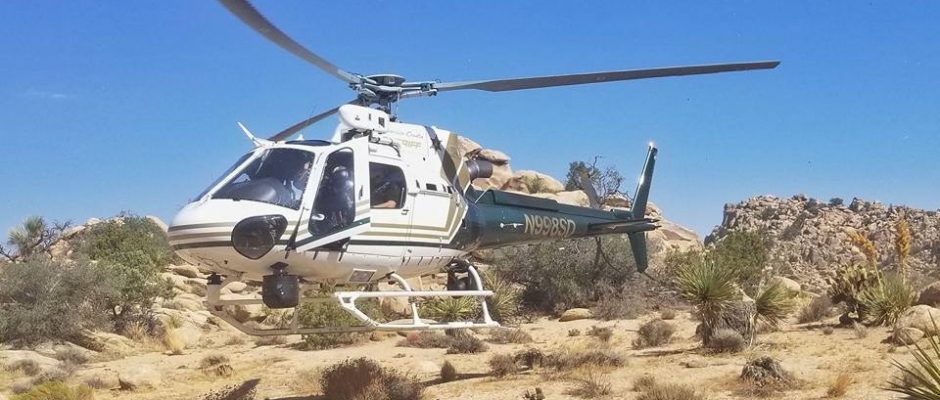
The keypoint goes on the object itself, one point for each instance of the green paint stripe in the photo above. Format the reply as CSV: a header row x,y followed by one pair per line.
x,y
201,226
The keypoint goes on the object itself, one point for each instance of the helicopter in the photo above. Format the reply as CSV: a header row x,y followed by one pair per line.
x,y
382,201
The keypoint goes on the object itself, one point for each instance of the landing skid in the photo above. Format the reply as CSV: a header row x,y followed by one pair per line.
x,y
347,300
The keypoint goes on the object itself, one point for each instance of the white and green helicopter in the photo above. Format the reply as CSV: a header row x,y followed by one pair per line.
x,y
381,201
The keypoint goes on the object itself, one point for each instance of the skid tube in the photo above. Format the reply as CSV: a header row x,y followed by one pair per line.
x,y
347,300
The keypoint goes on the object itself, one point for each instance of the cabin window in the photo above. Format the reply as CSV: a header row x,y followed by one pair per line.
x,y
334,208
279,176
431,186
387,185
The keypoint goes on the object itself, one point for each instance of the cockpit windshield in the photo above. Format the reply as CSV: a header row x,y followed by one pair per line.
x,y
279,176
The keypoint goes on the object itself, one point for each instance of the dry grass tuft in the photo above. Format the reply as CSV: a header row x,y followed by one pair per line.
x,y
426,340
216,365
644,383
56,390
28,367
574,332
669,391
173,342
840,386
448,372
506,336
270,340
503,365
465,343
530,357
590,383
667,314
71,355
654,333
816,310
861,331
567,359
601,333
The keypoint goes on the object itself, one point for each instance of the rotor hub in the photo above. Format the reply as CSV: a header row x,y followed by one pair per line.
x,y
387,79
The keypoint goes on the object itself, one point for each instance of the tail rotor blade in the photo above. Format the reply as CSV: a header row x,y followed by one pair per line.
x,y
250,16
503,85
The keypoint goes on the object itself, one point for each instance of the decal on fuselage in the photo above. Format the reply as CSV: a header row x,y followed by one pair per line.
x,y
549,226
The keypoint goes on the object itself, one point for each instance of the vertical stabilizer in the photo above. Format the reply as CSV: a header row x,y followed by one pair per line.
x,y
638,210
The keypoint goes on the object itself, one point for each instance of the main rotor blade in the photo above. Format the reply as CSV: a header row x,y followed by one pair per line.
x,y
293,129
250,16
502,85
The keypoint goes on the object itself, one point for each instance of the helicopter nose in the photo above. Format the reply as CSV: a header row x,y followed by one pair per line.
x,y
196,227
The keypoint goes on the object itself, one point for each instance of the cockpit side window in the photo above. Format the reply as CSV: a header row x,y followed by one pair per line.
x,y
334,208
279,176
226,174
387,185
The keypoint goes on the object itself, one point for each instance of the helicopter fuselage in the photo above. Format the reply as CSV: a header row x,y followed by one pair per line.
x,y
381,197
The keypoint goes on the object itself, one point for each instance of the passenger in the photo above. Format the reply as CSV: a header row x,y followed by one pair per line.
x,y
386,192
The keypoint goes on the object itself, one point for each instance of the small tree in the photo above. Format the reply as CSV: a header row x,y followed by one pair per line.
x,y
33,237
607,182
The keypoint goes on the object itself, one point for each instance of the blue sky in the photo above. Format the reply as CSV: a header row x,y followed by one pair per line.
x,y
111,106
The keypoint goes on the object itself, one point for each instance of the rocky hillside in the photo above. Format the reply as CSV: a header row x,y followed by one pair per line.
x,y
811,237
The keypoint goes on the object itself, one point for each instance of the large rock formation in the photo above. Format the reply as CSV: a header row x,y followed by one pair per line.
x,y
811,238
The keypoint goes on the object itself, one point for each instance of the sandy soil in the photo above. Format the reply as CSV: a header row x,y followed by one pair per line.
x,y
814,357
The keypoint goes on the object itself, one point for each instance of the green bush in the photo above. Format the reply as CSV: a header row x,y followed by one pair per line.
x,y
563,274
133,251
745,254
329,314
43,300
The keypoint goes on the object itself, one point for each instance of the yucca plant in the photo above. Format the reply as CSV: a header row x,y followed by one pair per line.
x,y
920,380
448,309
902,244
708,287
865,245
883,303
504,304
849,281
774,303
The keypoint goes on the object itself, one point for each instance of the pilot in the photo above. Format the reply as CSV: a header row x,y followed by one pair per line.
x,y
386,191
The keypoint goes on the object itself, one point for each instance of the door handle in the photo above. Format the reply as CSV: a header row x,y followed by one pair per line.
x,y
404,212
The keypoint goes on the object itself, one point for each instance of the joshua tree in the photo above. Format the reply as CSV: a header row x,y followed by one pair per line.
x,y
33,236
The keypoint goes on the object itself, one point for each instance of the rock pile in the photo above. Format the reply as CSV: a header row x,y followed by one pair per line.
x,y
811,237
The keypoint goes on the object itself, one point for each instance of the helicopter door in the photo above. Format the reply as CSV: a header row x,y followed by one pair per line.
x,y
340,208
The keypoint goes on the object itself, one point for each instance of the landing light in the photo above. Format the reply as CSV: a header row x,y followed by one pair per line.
x,y
254,237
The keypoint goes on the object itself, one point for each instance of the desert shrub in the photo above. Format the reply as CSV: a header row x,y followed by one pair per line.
x,y
816,310
56,390
849,281
883,302
426,340
448,309
669,391
601,333
654,333
43,300
245,391
505,336
327,314
133,250
618,304
744,255
26,366
504,303
727,341
764,376
563,274
667,314
534,395
71,355
828,330
574,332
448,372
466,344
216,365
353,379
836,201
502,365
530,357
590,384
567,359
840,386
774,304
644,383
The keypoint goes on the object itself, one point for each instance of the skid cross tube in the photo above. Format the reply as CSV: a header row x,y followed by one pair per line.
x,y
347,300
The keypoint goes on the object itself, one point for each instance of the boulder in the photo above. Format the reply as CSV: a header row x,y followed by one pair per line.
x,y
501,175
907,336
494,156
921,317
533,182
789,284
575,314
10,358
136,377
189,271
930,295
575,197
467,147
